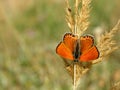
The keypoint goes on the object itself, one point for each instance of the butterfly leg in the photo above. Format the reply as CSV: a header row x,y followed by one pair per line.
x,y
76,60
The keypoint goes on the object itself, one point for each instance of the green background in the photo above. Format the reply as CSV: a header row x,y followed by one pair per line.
x,y
29,33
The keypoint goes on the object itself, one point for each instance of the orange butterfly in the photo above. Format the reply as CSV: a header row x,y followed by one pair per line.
x,y
82,49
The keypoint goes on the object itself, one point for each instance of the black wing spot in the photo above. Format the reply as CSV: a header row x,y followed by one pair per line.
x,y
68,34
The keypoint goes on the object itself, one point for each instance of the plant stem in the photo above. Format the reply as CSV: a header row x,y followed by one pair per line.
x,y
74,77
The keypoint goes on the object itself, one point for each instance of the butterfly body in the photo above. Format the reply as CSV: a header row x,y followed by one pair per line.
x,y
74,48
76,52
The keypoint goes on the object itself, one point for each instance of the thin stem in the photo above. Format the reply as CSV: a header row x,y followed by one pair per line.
x,y
74,77
76,19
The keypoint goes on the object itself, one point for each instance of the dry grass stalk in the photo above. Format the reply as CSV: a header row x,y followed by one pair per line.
x,y
116,86
69,16
78,23
76,71
83,22
106,45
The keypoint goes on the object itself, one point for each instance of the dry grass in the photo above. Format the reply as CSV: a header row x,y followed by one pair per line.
x,y
29,33
77,20
106,44
116,86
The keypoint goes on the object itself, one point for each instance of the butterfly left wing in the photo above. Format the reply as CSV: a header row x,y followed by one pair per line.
x,y
64,51
70,40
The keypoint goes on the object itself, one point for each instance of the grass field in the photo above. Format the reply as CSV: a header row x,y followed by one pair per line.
x,y
29,33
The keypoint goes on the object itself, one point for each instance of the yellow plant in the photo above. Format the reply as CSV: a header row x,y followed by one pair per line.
x,y
77,20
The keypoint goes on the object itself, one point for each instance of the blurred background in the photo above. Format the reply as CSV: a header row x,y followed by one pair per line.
x,y
29,33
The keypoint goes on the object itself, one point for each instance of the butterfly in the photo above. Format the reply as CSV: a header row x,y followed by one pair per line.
x,y
74,48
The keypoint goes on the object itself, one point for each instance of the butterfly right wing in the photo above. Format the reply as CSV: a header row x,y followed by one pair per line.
x,y
88,50
90,54
86,42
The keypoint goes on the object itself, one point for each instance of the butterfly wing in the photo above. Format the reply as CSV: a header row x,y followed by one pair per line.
x,y
66,48
89,55
70,41
88,50
64,51
86,42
